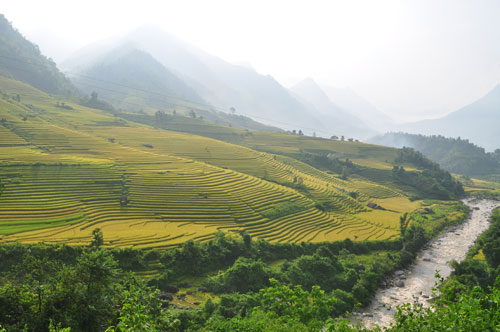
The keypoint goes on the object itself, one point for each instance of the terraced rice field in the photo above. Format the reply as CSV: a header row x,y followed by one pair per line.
x,y
65,172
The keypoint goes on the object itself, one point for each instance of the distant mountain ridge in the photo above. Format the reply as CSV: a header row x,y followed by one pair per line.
x,y
341,122
20,59
479,122
350,101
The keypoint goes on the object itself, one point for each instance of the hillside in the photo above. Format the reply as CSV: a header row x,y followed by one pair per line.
x,y
217,82
132,79
477,122
78,168
20,59
453,154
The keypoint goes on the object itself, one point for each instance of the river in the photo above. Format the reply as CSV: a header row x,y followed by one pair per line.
x,y
419,279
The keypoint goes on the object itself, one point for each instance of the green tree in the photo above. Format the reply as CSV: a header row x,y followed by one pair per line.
x,y
318,269
247,239
491,240
476,311
309,308
96,273
345,173
404,221
245,275
97,238
57,328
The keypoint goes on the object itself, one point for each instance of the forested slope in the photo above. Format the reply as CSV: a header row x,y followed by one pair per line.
x,y
20,59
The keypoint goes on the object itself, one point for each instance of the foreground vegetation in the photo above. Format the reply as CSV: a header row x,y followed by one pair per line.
x,y
92,288
89,289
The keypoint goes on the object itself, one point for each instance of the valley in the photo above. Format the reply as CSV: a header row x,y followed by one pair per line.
x,y
148,185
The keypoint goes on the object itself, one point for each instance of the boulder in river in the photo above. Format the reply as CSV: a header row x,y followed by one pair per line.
x,y
399,273
400,283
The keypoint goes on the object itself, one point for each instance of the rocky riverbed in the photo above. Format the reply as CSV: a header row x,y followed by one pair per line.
x,y
416,283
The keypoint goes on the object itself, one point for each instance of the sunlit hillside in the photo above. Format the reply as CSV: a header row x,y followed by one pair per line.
x,y
78,168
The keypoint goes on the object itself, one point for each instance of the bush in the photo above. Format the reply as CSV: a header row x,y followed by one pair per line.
x,y
244,276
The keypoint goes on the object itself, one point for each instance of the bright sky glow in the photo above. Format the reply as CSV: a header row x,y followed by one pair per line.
x,y
412,59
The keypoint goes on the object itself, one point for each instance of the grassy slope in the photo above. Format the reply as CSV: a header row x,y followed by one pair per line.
x,y
64,173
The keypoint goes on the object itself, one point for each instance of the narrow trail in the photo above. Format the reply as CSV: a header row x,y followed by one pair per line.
x,y
416,283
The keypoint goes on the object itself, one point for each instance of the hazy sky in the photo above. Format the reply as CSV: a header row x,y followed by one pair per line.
x,y
411,59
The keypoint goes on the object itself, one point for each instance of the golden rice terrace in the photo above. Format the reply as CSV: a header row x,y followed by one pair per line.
x,y
64,172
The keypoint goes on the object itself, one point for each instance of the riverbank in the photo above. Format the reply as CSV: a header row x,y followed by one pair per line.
x,y
415,283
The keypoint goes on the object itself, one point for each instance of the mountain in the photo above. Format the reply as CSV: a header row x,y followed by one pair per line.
x,y
479,122
350,101
216,81
20,59
340,121
453,154
132,79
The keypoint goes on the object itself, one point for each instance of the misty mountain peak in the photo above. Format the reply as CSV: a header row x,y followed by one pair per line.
x,y
245,64
309,90
342,121
307,83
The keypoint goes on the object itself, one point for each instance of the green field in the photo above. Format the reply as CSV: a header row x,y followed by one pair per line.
x,y
65,172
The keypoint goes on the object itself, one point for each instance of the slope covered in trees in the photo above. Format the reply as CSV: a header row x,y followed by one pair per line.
x,y
432,181
20,59
453,154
